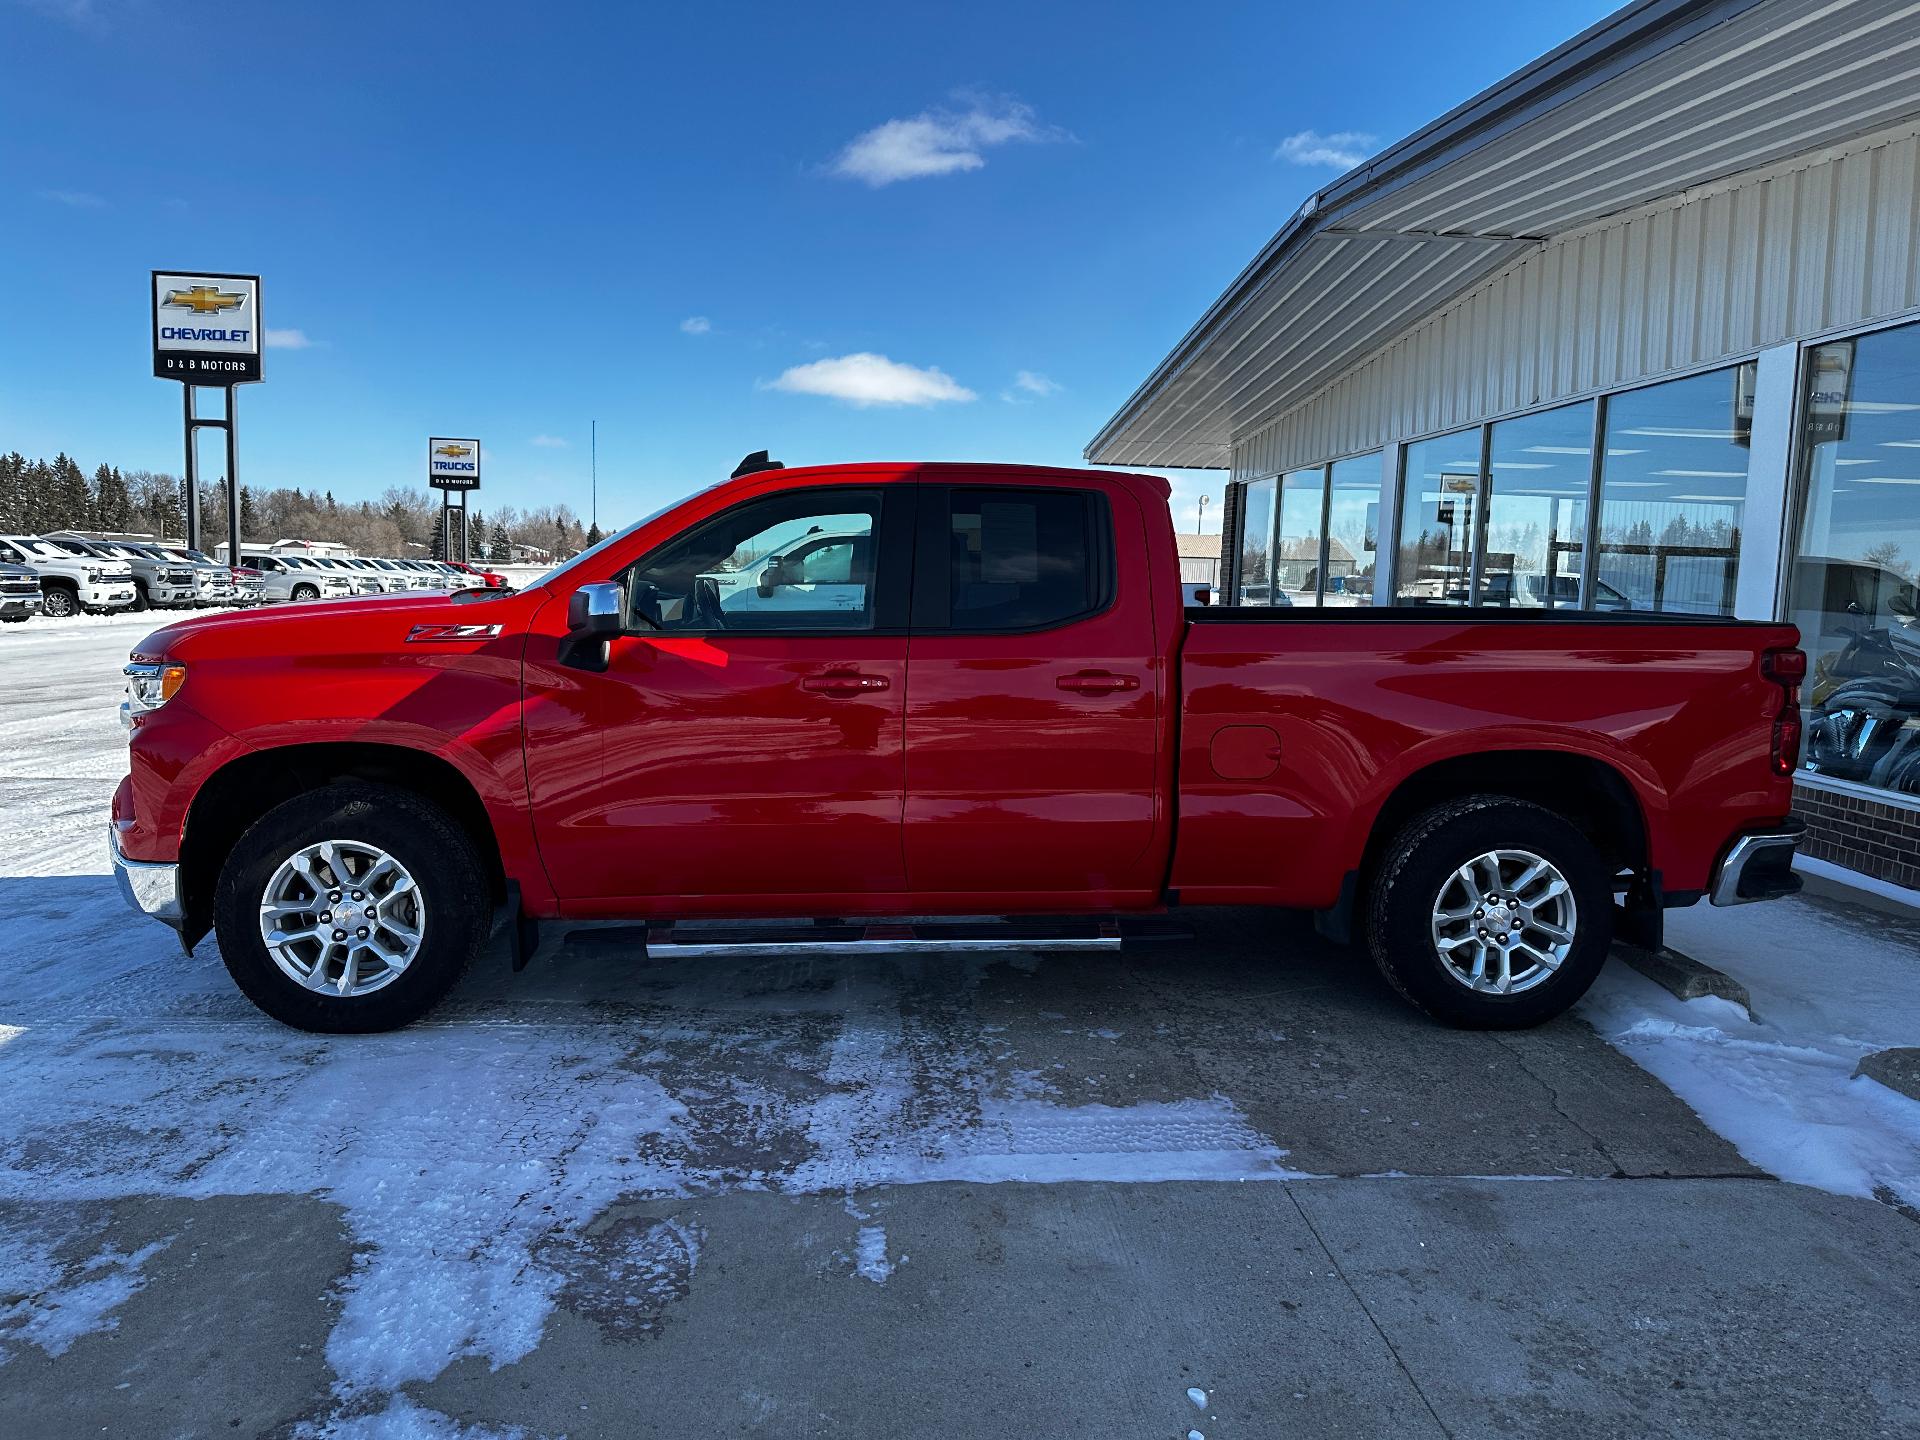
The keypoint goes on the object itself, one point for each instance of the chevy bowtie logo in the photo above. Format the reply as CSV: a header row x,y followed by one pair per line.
x,y
204,299
455,452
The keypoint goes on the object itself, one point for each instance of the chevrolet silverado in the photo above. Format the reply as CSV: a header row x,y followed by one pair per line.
x,y
851,698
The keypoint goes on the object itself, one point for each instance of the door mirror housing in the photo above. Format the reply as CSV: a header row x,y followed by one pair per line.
x,y
771,578
596,612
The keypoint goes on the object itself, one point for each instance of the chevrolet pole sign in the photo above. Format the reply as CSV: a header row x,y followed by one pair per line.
x,y
206,328
453,464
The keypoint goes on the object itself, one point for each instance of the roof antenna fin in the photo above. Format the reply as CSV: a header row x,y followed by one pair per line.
x,y
755,463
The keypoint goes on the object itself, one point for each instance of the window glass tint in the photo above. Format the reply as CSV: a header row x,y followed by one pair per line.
x,y
1439,500
1852,589
1673,489
1254,584
1539,468
1296,562
1020,558
1353,530
797,561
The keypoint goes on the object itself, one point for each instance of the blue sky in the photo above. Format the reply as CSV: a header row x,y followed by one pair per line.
x,y
837,232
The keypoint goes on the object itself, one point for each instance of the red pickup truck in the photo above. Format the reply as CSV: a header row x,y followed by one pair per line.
x,y
844,695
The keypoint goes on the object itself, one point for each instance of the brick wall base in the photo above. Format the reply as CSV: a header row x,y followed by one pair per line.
x,y
1860,833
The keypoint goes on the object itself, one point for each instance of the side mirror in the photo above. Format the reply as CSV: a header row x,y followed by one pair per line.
x,y
771,578
596,611
594,616
1900,605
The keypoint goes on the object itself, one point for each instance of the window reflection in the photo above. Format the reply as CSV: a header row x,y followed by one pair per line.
x,y
1297,538
1673,491
1353,529
1440,490
1254,586
1539,471
1852,588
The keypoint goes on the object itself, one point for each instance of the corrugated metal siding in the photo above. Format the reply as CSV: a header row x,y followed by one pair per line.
x,y
1785,254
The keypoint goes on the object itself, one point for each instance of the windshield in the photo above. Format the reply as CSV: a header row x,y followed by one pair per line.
x,y
42,548
618,535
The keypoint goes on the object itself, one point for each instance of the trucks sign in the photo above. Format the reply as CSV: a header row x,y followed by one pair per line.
x,y
453,464
206,328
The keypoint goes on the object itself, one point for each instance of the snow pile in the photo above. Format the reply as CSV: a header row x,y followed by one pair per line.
x,y
1829,983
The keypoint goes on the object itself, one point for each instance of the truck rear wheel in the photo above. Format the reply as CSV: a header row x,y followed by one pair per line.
x,y
350,909
1491,913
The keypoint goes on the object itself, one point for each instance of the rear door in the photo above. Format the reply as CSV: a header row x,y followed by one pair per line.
x,y
1034,697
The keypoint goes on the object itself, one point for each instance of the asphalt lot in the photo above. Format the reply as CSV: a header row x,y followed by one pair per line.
x,y
1045,1196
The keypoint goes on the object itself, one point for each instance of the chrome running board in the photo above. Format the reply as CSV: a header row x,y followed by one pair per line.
x,y
963,936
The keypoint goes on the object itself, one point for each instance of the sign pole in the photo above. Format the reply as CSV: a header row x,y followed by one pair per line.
x,y
193,475
233,476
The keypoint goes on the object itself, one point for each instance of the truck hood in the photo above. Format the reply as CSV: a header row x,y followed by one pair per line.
x,y
367,625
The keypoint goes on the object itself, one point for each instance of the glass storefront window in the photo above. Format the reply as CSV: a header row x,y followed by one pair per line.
x,y
1254,584
1673,490
1297,538
1353,530
1440,497
1852,588
1539,471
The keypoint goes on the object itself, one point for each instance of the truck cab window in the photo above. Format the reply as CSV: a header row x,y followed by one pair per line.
x,y
1022,559
803,560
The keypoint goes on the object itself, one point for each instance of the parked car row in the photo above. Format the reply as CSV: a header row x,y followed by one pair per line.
x,y
64,575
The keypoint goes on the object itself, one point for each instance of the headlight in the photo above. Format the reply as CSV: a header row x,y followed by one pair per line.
x,y
93,577
151,686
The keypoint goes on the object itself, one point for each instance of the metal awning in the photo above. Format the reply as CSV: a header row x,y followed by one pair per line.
x,y
1656,99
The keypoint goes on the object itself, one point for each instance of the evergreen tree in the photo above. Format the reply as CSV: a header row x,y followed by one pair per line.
x,y
593,533
112,506
477,533
249,520
71,502
438,543
502,542
36,498
13,479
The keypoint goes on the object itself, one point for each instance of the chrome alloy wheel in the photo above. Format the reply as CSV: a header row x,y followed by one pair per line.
x,y
1504,922
342,917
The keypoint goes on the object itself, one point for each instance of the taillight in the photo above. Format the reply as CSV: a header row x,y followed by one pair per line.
x,y
1786,668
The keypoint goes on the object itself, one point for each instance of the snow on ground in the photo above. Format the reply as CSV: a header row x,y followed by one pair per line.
x,y
1829,983
470,1153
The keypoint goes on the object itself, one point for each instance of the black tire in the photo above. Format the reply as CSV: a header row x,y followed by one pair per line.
x,y
61,602
436,852
140,600
1417,865
305,592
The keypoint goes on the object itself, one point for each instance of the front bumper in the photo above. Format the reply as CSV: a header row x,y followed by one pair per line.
x,y
110,596
152,889
21,604
1758,866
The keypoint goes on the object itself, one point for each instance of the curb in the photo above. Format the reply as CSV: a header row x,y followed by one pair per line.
x,y
1683,977
1897,1069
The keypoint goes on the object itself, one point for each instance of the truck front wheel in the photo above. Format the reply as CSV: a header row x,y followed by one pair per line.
x,y
1490,913
350,909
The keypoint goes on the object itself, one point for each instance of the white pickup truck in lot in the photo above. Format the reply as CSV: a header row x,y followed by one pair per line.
x,y
71,583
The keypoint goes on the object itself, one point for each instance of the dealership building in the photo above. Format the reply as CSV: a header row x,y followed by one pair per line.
x,y
1636,329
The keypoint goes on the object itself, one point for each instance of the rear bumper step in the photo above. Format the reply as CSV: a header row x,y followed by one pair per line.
x,y
924,935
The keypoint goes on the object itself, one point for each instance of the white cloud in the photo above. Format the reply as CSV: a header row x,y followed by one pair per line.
x,y
866,379
941,142
1035,383
76,199
288,339
695,325
1343,149
549,442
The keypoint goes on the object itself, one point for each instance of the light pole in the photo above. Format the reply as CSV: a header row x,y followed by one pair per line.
x,y
1203,516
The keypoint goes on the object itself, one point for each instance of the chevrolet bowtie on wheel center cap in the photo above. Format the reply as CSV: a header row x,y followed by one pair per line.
x,y
342,917
1504,921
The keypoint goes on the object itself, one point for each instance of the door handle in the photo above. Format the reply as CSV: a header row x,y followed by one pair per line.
x,y
842,683
1097,682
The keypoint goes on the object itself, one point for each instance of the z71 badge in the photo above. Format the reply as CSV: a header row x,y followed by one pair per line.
x,y
453,632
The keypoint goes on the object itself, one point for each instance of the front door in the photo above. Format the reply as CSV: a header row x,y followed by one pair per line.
x,y
1034,701
745,737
